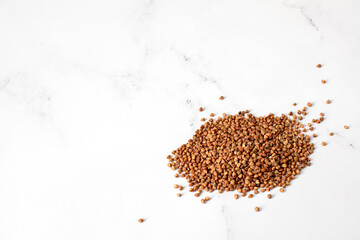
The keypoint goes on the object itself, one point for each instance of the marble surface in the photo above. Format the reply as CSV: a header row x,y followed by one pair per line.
x,y
95,94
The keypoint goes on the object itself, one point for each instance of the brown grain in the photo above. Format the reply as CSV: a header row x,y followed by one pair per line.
x,y
243,152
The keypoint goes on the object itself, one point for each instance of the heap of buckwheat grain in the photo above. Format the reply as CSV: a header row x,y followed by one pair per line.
x,y
243,152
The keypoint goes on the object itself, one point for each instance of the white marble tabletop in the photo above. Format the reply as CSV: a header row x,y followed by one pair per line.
x,y
95,94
